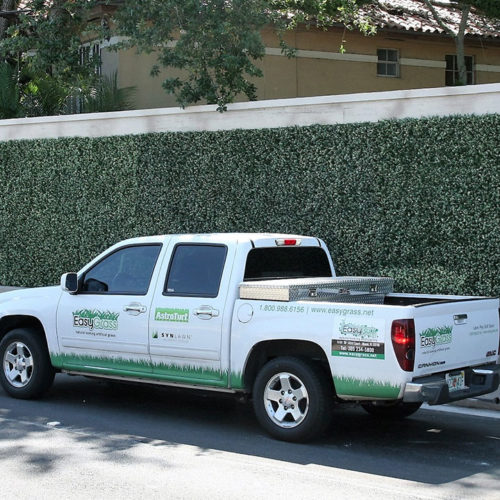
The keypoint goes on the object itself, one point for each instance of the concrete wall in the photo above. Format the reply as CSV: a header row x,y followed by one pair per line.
x,y
349,108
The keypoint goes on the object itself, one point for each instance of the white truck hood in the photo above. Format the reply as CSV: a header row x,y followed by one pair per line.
x,y
18,300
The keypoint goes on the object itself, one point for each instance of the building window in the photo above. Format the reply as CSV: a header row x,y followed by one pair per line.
x,y
91,53
452,70
388,62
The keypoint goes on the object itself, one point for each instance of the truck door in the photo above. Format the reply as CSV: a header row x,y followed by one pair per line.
x,y
187,318
104,327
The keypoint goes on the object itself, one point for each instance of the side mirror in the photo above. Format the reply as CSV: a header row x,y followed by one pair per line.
x,y
69,282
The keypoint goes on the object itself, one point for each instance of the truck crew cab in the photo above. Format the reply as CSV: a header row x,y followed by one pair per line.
x,y
262,314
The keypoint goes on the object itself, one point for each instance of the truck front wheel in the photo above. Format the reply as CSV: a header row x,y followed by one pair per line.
x,y
391,409
292,399
26,371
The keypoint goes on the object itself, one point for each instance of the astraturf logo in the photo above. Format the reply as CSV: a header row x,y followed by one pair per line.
x,y
173,315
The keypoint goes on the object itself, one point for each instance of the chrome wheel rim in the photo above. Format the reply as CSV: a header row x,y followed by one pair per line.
x,y
286,400
18,364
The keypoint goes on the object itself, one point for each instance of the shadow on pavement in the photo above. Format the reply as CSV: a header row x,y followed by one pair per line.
x,y
429,447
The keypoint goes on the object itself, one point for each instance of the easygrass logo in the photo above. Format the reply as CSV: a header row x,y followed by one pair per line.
x,y
362,332
95,320
173,315
433,337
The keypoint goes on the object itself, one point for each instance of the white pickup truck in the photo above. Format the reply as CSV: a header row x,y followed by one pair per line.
x,y
262,314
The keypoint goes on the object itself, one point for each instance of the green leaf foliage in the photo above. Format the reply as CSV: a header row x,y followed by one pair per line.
x,y
218,41
413,199
55,74
216,44
490,8
10,106
47,34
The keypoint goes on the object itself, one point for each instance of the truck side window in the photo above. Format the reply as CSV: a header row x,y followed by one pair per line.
x,y
127,271
195,270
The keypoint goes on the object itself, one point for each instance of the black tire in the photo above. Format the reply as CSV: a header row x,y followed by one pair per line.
x,y
390,410
312,407
25,368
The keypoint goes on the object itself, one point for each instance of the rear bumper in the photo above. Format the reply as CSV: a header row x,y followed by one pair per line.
x,y
434,389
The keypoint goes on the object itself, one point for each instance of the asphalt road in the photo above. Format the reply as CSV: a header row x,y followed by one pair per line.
x,y
93,439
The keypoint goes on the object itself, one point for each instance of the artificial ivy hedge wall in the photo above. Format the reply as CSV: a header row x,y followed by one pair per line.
x,y
414,199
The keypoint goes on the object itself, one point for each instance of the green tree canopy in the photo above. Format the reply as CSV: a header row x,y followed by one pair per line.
x,y
45,66
217,42
47,36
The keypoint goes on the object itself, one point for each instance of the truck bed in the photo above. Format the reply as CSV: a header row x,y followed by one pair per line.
x,y
345,289
448,332
350,289
418,300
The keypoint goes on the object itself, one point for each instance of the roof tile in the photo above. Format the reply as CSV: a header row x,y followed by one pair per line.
x,y
414,15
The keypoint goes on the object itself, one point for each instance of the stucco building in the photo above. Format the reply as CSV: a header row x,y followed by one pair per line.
x,y
410,50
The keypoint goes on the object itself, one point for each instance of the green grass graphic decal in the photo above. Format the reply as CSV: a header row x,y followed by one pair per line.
x,y
351,386
87,313
236,380
436,336
144,369
434,332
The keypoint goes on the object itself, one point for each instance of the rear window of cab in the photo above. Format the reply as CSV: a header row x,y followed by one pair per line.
x,y
287,262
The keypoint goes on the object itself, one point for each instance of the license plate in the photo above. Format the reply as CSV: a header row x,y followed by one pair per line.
x,y
456,381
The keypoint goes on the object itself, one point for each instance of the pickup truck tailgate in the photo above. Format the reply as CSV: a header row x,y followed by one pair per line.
x,y
455,334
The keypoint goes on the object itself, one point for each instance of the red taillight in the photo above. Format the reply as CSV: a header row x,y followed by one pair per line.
x,y
403,341
288,242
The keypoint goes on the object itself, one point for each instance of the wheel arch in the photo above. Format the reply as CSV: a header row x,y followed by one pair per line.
x,y
9,323
31,374
264,351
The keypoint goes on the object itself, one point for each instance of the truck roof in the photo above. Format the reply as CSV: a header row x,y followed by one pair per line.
x,y
230,237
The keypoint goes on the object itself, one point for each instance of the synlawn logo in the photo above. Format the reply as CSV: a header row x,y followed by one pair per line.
x,y
95,320
433,337
173,315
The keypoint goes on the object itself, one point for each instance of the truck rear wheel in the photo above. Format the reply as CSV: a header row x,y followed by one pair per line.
x,y
391,409
292,399
26,371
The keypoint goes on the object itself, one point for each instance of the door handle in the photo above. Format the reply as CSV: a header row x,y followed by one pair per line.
x,y
134,309
206,312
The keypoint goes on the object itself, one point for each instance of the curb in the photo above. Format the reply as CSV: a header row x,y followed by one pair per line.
x,y
483,404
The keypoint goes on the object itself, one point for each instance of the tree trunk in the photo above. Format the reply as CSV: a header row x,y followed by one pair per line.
x,y
4,23
462,70
460,45
459,37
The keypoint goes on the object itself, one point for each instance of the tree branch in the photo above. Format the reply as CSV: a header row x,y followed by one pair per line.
x,y
438,19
